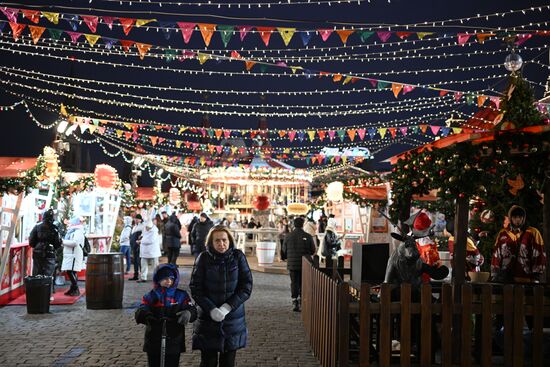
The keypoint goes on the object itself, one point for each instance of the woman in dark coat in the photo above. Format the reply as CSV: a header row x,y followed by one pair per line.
x,y
220,284
172,236
199,233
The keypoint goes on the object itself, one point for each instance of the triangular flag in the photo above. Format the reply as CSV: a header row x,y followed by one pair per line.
x,y
403,130
73,21
92,38
2,25
219,149
372,132
311,134
153,140
55,33
226,32
463,38
344,34
443,93
243,31
361,133
347,80
522,38
265,33
341,134
291,134
52,17
403,35
481,100
392,131
383,35
119,133
496,101
218,133
170,54
236,55
32,15
337,77
457,130
36,33
16,30
286,34
10,13
396,88
74,36
127,24
282,133
126,44
203,57
458,95
322,134
306,37
249,64
301,135
141,22
408,88
331,134
373,82
423,128
93,128
381,85
109,42
325,33
469,99
91,22
421,35
445,131
351,134
167,28
382,132
365,35
178,143
108,21
434,129
481,37
207,30
142,49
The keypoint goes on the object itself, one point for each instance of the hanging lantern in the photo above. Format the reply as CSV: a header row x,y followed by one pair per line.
x,y
105,176
261,202
52,168
297,209
335,191
174,196
513,62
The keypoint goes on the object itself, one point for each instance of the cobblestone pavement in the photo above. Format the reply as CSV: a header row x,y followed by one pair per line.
x,y
74,336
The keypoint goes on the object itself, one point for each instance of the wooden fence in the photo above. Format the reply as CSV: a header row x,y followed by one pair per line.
x,y
349,327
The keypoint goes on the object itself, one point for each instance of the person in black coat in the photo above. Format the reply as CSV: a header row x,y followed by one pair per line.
x,y
165,303
199,233
45,240
297,244
220,284
190,227
172,236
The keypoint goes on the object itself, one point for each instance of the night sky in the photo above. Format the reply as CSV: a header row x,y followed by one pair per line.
x,y
22,137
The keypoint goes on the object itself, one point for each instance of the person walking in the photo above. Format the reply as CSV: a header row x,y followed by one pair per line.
x,y
172,235
200,231
221,282
125,241
169,308
149,249
134,237
73,254
311,228
190,227
297,243
332,243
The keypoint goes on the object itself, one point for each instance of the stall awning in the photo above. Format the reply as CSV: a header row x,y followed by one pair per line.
x,y
14,166
145,194
381,193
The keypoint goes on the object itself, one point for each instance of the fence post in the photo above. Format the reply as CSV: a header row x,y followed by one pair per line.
x,y
486,327
384,342
466,310
446,324
519,320
538,320
426,322
364,326
343,327
405,324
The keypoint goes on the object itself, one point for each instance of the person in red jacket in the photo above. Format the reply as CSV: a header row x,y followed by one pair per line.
x,y
518,254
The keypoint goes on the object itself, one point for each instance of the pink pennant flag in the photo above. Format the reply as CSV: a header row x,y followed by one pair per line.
x,y
91,22
403,130
458,95
186,30
331,134
243,31
434,129
10,13
383,35
337,158
325,33
219,149
195,146
227,134
522,38
108,21
361,133
291,134
236,55
496,101
74,36
408,88
463,38
373,82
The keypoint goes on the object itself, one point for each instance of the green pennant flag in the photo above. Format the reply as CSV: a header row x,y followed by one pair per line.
x,y
381,85
470,99
211,133
413,129
364,35
55,33
226,32
263,68
308,161
95,122
170,55
341,134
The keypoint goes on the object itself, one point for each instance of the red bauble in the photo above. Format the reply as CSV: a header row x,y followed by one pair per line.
x,y
261,202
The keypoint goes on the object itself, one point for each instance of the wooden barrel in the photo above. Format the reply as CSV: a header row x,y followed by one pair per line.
x,y
104,281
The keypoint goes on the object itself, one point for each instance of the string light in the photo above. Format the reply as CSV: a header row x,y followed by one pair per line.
x,y
265,4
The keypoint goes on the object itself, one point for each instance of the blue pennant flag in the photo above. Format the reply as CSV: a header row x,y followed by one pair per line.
x,y
109,42
72,20
301,135
372,132
445,131
167,28
2,25
306,37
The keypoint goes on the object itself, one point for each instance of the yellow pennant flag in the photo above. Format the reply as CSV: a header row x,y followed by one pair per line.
x,y
140,22
142,49
92,128
457,130
382,132
295,68
128,125
396,88
234,150
311,134
481,100
182,129
286,34
92,38
119,133
203,58
421,35
52,17
36,33
344,159
178,143
347,80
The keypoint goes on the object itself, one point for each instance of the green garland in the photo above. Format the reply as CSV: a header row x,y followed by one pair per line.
x,y
28,180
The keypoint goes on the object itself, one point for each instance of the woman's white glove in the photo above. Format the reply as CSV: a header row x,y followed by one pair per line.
x,y
225,309
217,315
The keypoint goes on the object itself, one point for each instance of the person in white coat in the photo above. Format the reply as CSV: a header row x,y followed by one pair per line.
x,y
73,254
149,249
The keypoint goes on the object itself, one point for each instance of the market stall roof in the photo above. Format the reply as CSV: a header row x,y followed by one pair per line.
x,y
269,163
381,193
145,193
14,166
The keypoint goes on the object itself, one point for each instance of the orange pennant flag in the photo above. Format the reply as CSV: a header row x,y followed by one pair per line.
x,y
392,131
153,140
396,88
249,64
207,30
218,133
481,37
282,133
344,34
351,134
337,77
142,48
423,128
36,33
265,33
481,100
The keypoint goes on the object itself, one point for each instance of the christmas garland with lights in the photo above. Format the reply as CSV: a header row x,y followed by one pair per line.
x,y
28,179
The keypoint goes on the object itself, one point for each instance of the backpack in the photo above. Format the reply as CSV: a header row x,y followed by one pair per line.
x,y
86,249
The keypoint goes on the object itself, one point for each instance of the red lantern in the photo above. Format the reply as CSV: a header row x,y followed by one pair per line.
x,y
261,202
106,177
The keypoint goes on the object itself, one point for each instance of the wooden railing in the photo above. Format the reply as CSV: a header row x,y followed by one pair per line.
x,y
348,326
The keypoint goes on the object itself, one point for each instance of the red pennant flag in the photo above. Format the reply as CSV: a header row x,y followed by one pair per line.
x,y
522,38
91,22
463,38
16,30
291,134
142,49
236,55
108,21
265,33
74,36
458,95
127,24
361,133
403,35
392,131
443,93
325,33
127,135
322,134
32,15
344,34
126,44
408,88
186,30
207,30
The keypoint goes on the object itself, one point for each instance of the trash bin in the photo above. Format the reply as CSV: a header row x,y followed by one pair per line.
x,y
265,252
38,289
104,281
